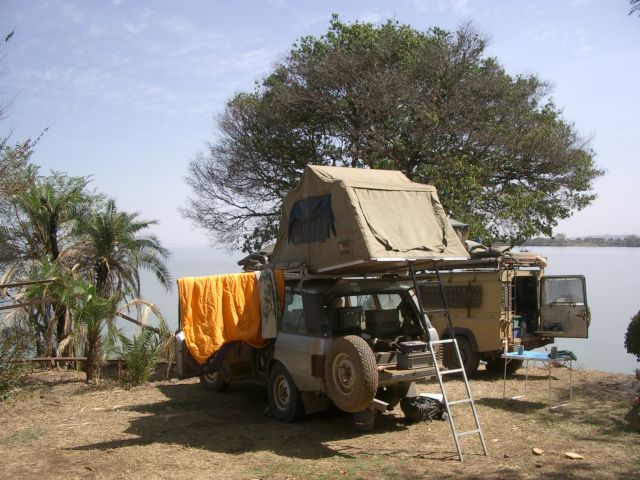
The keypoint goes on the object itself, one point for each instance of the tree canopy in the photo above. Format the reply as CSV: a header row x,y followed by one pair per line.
x,y
428,103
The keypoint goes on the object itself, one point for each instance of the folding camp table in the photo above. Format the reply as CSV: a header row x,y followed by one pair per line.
x,y
529,356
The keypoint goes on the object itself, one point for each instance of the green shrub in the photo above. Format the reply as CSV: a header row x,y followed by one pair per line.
x,y
13,347
140,356
632,338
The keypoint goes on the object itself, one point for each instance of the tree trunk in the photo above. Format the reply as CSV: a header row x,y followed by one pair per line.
x,y
59,313
94,359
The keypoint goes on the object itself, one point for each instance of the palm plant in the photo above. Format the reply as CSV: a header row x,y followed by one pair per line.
x,y
46,213
141,356
92,314
115,249
36,233
163,348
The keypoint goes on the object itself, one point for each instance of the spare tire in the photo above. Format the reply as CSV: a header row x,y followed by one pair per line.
x,y
351,374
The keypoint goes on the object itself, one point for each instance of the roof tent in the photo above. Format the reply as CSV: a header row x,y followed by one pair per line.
x,y
354,220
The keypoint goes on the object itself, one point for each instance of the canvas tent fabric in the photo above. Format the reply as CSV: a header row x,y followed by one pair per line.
x,y
345,219
218,309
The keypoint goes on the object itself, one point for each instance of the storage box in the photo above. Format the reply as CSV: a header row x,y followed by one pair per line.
x,y
407,361
346,320
413,346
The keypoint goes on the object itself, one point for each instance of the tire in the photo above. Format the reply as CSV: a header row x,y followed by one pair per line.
x,y
351,374
285,401
392,394
214,382
496,365
470,358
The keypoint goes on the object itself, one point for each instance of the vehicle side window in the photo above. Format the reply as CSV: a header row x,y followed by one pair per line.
x,y
562,290
389,301
292,320
365,301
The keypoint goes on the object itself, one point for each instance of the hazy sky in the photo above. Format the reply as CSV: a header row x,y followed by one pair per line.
x,y
129,90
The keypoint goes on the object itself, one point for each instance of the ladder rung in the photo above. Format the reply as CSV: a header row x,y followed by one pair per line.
x,y
456,402
439,342
469,432
456,370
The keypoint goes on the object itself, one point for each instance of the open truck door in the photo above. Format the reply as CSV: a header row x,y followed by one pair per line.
x,y
563,306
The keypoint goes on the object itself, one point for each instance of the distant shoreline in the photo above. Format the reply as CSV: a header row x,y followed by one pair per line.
x,y
562,241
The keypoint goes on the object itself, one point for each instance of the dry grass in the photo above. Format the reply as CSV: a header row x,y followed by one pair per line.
x,y
62,428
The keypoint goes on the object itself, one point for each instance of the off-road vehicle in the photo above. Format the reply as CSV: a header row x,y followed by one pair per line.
x,y
357,343
506,299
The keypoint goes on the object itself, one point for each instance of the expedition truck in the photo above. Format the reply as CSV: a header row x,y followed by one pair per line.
x,y
357,343
506,299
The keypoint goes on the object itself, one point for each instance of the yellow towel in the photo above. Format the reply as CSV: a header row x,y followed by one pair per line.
x,y
218,309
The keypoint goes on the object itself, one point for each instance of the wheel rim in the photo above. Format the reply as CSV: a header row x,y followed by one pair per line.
x,y
212,377
281,392
343,371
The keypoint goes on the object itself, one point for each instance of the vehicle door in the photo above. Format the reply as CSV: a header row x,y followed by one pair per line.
x,y
302,338
563,306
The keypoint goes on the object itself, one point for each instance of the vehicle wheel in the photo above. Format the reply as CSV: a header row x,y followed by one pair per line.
x,y
214,382
392,394
496,365
351,374
470,358
285,401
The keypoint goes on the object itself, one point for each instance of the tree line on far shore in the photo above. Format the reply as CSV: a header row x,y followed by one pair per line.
x,y
588,241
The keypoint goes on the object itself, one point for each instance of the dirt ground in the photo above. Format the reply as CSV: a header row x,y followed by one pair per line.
x,y
60,427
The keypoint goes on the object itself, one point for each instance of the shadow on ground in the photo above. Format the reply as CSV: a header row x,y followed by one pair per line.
x,y
234,422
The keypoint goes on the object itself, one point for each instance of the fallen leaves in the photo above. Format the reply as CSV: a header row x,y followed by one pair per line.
x,y
573,456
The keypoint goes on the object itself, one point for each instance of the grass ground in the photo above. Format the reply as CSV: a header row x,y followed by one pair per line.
x,y
60,427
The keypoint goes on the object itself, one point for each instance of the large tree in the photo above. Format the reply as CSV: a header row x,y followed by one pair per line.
x,y
430,104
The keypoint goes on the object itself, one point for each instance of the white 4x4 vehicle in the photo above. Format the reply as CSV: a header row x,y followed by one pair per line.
x,y
359,343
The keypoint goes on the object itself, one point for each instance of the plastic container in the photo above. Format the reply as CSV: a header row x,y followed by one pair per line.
x,y
413,346
408,361
516,326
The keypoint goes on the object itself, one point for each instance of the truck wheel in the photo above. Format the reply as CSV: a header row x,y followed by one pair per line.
x,y
214,382
496,365
470,358
351,374
285,401
392,394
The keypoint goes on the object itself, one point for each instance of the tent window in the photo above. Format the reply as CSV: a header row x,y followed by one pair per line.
x,y
311,220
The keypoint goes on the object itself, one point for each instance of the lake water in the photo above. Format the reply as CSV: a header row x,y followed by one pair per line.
x,y
613,276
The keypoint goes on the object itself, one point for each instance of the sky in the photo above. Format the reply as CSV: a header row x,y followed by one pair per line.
x,y
128,91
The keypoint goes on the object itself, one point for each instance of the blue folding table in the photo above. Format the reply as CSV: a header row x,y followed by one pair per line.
x,y
530,356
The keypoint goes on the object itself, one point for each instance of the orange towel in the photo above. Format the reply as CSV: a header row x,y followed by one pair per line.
x,y
218,309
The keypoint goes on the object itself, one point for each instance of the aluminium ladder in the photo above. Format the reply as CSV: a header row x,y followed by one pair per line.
x,y
448,404
439,373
